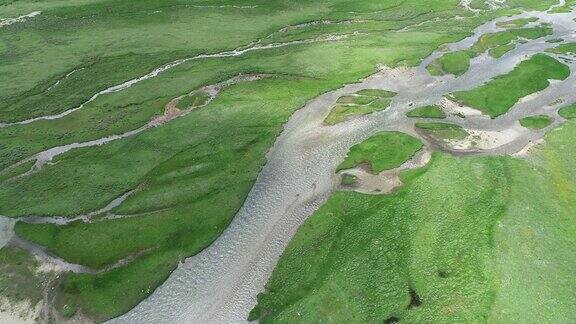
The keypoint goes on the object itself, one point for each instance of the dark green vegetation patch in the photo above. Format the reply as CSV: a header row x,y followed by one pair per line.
x,y
383,151
362,102
444,131
536,122
497,44
433,111
568,112
16,171
498,95
376,93
499,51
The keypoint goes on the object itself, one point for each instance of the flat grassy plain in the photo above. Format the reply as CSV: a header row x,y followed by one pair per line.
x,y
383,151
466,239
16,171
194,172
528,77
110,45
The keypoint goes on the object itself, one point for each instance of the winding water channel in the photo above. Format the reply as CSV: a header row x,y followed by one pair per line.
x,y
220,284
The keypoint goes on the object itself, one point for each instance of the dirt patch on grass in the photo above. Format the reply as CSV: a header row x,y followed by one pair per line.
x,y
170,112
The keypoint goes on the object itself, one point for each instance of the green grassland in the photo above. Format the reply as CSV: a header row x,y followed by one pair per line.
x,y
531,4
516,23
355,100
383,151
194,99
456,63
479,4
467,239
536,122
361,103
194,172
499,51
16,171
426,112
568,112
528,77
119,112
340,113
567,48
493,40
206,161
109,41
567,7
376,93
444,131
496,44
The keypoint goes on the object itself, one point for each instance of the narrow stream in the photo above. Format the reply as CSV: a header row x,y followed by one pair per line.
x,y
46,156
